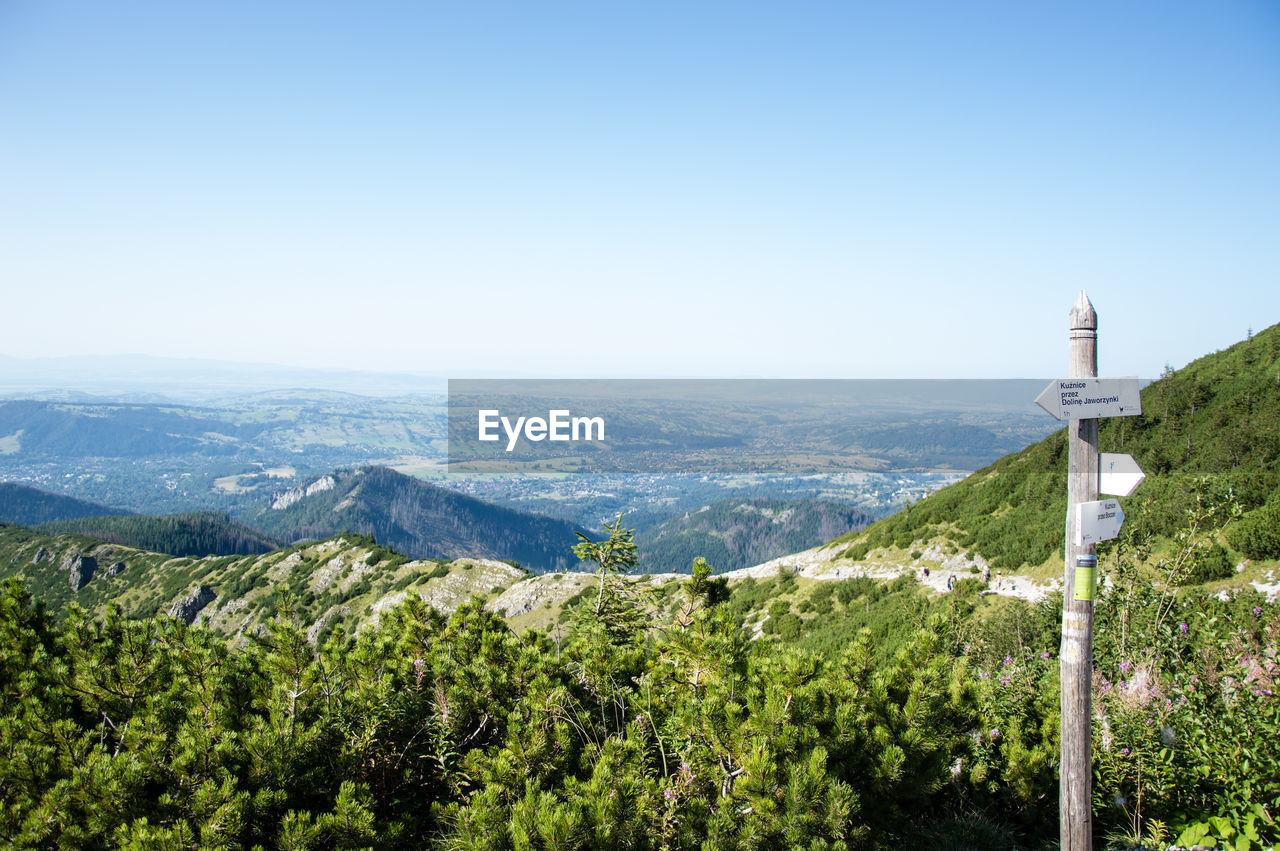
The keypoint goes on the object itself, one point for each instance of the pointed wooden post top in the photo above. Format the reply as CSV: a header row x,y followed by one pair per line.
x,y
1083,316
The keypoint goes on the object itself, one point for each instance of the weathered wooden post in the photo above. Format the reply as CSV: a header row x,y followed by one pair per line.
x,y
1075,659
1081,400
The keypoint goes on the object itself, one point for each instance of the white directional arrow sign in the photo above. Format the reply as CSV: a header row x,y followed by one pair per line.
x,y
1118,475
1098,521
1091,398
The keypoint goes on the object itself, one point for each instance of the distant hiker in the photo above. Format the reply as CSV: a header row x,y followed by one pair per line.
x,y
986,575
951,580
926,573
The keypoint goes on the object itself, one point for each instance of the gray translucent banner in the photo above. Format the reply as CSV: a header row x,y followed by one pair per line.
x,y
737,426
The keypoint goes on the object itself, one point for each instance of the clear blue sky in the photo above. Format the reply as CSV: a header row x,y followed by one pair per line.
x,y
893,189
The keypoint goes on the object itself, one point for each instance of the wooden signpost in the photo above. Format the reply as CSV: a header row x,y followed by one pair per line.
x,y
1090,398
1082,398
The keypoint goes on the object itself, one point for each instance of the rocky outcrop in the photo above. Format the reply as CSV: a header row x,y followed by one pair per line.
x,y
289,497
41,554
80,569
548,590
116,568
189,606
313,632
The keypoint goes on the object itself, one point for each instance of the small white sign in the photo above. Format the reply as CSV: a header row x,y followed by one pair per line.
x,y
1118,475
1098,521
1091,398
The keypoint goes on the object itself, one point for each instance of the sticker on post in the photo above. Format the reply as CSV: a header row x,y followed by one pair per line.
x,y
1086,583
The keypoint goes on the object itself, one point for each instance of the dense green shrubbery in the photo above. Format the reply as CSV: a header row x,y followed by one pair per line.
x,y
1213,564
422,732
1257,534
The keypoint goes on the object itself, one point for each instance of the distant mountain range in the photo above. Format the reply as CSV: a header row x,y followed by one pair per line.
x,y
147,378
402,513
425,521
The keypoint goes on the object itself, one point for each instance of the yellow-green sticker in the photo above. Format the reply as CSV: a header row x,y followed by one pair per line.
x,y
1086,582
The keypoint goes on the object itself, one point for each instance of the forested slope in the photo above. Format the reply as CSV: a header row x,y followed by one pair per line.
x,y
200,533
416,518
28,506
734,533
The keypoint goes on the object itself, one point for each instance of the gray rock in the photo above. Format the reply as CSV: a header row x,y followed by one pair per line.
x,y
117,568
189,606
80,569
41,554
313,633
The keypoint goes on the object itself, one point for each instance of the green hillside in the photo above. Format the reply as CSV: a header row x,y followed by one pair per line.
x,y
414,517
1208,432
199,533
28,506
53,430
345,579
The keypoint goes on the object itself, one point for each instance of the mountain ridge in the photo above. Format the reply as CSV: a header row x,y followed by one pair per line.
x,y
198,533
28,506
414,517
